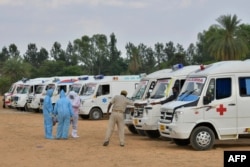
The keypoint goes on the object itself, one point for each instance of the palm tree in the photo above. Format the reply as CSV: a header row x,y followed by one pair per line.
x,y
225,41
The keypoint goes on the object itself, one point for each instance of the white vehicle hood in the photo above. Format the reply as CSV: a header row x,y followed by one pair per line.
x,y
174,104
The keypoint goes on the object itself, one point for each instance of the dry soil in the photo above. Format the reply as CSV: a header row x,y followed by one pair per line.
x,y
22,144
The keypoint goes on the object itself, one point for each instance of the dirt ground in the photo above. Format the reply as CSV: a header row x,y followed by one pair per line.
x,y
22,144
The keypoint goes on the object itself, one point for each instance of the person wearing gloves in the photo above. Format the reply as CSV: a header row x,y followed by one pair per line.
x,y
47,114
64,112
75,101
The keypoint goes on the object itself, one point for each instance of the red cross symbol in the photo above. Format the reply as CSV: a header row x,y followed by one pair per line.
x,y
221,109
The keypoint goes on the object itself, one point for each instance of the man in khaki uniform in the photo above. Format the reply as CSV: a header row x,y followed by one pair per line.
x,y
119,103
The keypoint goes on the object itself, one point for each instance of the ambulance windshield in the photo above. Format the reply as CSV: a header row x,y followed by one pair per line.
x,y
90,89
39,89
76,88
192,89
160,89
140,90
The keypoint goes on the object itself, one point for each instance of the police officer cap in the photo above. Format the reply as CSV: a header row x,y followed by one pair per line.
x,y
124,92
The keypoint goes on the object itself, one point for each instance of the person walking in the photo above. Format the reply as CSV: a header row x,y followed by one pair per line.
x,y
64,112
48,114
75,101
119,103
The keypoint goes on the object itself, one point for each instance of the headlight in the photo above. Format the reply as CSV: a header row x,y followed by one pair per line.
x,y
177,115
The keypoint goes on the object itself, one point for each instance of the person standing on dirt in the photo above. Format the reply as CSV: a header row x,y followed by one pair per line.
x,y
48,114
64,112
119,103
75,101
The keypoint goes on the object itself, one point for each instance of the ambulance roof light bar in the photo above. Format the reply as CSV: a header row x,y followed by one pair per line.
x,y
84,77
177,66
99,76
25,80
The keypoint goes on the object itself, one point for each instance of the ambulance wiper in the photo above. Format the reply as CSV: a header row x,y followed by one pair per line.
x,y
189,93
183,93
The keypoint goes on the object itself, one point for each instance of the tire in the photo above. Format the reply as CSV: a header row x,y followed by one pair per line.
x,y
141,132
153,134
181,142
132,129
202,138
26,107
95,114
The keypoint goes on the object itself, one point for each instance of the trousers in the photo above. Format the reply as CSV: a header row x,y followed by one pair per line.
x,y
116,118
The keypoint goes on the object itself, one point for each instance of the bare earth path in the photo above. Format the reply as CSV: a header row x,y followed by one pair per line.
x,y
22,144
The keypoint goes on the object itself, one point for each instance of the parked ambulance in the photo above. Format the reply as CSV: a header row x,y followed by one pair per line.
x,y
80,85
58,84
146,117
97,95
34,97
142,92
213,104
20,99
14,89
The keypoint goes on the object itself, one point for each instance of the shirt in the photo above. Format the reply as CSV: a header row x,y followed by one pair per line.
x,y
120,102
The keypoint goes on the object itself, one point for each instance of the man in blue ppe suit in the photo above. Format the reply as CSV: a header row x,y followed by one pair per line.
x,y
47,114
64,111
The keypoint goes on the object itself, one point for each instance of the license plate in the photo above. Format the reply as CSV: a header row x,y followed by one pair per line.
x,y
135,121
162,127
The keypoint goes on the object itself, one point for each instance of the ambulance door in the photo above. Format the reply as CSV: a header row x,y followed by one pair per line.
x,y
243,103
221,108
103,96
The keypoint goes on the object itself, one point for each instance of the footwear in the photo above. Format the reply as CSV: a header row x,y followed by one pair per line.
x,y
74,134
122,145
106,143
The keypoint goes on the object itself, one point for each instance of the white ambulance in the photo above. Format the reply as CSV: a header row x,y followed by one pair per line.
x,y
146,118
97,95
34,97
213,104
142,92
20,99
14,89
57,85
80,85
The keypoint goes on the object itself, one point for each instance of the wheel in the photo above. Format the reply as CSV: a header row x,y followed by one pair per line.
x,y
26,107
141,132
152,133
181,142
3,103
132,129
95,114
202,138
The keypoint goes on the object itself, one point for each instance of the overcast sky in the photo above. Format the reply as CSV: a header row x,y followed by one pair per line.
x,y
44,22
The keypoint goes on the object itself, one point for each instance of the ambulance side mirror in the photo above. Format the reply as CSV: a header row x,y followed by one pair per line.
x,y
148,95
206,100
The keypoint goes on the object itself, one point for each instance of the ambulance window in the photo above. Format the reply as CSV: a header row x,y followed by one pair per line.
x,y
244,86
152,85
223,88
103,90
210,90
179,83
31,89
62,87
